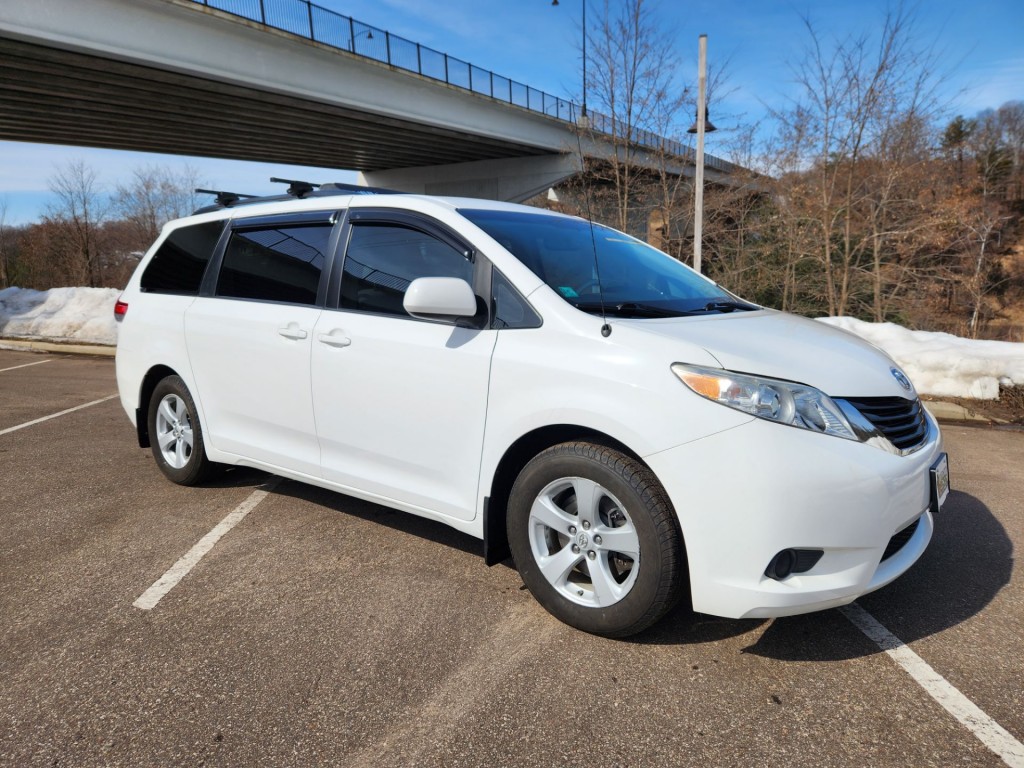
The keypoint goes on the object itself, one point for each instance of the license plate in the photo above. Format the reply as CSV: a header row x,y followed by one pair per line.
x,y
939,482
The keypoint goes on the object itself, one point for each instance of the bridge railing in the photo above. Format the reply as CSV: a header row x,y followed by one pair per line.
x,y
322,25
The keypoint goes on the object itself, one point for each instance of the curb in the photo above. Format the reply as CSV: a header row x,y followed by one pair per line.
x,y
952,412
70,348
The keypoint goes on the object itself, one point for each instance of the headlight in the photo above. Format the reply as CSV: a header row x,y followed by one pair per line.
x,y
781,401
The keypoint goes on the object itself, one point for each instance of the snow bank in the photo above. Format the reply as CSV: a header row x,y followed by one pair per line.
x,y
83,315
942,364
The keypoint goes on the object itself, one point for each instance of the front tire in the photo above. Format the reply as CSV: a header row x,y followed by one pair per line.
x,y
175,434
595,539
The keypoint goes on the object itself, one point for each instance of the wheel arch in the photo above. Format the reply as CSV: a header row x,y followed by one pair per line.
x,y
153,376
496,548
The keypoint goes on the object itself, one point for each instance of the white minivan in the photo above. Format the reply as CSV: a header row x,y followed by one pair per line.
x,y
631,433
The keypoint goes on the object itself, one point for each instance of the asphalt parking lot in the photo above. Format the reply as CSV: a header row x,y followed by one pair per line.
x,y
322,630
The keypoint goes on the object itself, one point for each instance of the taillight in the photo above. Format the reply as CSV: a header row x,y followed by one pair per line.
x,y
120,310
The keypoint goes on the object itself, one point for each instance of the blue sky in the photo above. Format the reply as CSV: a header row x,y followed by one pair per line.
x,y
980,47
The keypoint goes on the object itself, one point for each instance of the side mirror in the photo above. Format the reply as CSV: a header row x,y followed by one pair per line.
x,y
440,298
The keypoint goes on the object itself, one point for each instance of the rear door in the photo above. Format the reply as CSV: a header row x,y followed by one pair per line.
x,y
400,403
249,339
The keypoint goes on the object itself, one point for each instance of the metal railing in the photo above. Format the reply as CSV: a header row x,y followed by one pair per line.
x,y
314,22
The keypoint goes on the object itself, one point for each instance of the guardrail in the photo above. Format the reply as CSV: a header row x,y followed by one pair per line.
x,y
322,25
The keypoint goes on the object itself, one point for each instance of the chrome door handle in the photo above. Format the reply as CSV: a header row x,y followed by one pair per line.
x,y
335,339
292,331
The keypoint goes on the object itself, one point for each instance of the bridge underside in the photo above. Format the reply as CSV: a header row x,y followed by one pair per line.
x,y
58,96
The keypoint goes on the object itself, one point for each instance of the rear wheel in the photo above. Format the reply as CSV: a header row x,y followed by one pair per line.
x,y
595,539
175,435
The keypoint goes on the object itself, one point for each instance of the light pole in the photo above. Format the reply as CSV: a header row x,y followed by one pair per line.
x,y
583,111
702,126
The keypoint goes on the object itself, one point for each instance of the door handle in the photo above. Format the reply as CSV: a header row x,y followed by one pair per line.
x,y
335,338
292,331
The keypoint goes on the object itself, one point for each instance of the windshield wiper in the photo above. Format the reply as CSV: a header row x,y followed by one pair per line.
x,y
627,309
726,306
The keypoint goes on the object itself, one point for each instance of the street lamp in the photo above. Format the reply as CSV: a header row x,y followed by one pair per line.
x,y
353,36
702,126
583,111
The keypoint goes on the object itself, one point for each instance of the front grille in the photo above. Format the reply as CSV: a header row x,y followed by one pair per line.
x,y
900,420
897,542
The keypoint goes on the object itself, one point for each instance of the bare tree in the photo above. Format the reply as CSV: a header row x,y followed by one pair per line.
x,y
856,97
153,196
5,255
79,212
632,58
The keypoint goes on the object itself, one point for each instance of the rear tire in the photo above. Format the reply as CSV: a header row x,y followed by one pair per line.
x,y
595,539
175,434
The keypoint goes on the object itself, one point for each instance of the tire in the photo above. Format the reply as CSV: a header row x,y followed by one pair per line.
x,y
175,434
611,566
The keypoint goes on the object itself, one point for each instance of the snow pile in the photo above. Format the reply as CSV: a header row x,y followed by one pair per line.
x,y
942,364
83,315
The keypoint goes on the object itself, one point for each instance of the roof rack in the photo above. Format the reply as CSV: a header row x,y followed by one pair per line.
x,y
296,190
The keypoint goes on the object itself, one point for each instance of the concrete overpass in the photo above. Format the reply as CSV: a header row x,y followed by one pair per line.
x,y
288,81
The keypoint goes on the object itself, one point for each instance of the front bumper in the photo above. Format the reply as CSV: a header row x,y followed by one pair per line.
x,y
747,493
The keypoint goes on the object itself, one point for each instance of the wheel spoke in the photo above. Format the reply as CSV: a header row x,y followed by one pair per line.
x,y
557,567
622,540
545,511
165,439
588,497
179,454
180,410
166,411
606,589
186,437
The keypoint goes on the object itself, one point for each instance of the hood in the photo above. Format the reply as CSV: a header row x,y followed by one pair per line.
x,y
783,346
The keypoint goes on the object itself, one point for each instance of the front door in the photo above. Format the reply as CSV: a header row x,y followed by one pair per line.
x,y
400,403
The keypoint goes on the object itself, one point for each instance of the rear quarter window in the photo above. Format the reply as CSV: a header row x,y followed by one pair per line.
x,y
281,264
180,262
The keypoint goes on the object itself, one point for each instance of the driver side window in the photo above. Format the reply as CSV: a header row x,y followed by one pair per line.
x,y
383,259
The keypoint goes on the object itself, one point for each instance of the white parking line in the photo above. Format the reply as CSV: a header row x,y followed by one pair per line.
x,y
55,415
148,599
25,365
987,730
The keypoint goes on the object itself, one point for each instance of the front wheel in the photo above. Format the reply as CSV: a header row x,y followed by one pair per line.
x,y
175,434
595,539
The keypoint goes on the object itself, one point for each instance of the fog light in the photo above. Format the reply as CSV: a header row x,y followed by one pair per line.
x,y
790,561
781,565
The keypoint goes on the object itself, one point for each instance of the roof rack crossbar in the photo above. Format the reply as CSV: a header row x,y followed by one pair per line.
x,y
225,199
296,188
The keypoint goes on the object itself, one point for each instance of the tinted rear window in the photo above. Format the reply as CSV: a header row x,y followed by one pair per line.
x,y
179,264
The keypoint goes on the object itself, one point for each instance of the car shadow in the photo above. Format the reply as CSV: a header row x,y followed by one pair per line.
x,y
238,477
969,560
422,527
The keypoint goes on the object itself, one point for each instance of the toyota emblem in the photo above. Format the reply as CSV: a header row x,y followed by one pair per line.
x,y
901,377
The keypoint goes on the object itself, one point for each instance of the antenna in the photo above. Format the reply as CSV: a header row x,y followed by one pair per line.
x,y
297,189
606,329
224,199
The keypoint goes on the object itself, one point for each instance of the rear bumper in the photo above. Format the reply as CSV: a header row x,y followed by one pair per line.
x,y
745,494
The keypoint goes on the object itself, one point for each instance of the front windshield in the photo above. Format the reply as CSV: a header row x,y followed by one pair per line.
x,y
637,280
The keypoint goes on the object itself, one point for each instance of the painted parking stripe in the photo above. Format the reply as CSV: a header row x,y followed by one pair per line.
x,y
25,365
987,730
148,599
55,415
